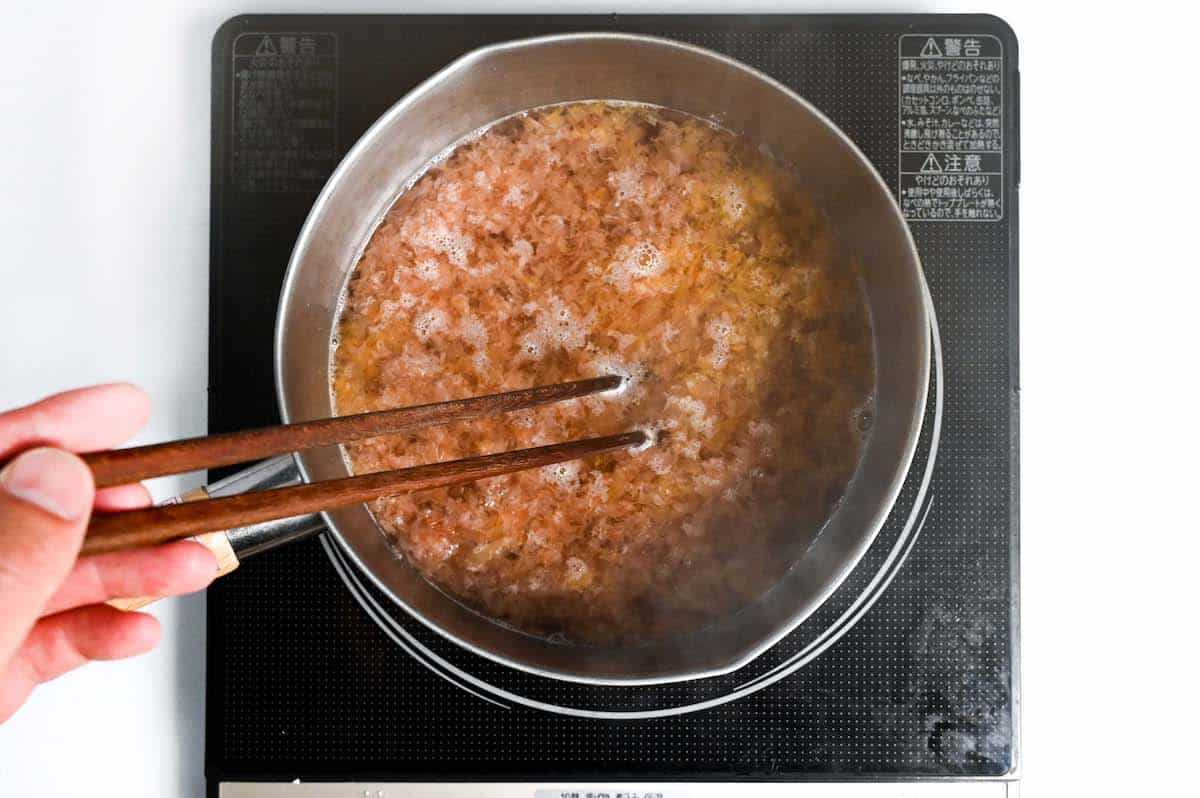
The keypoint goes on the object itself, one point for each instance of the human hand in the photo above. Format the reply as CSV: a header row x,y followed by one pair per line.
x,y
52,615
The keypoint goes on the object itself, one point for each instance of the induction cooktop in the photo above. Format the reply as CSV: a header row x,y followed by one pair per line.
x,y
318,685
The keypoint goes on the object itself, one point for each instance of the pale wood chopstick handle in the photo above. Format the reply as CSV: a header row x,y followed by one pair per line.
x,y
121,466
153,525
215,542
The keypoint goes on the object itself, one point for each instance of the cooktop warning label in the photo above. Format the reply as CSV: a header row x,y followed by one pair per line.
x,y
951,128
284,111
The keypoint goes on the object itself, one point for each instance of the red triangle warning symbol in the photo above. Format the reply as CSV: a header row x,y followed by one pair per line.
x,y
267,47
932,164
931,49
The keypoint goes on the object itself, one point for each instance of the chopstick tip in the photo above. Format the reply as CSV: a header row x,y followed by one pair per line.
x,y
614,384
649,437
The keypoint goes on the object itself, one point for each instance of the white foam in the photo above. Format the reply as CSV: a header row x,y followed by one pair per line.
x,y
390,310
646,261
531,347
517,196
420,364
429,324
733,201
481,180
482,270
559,324
718,265
722,333
406,300
627,185
638,262
428,270
668,332
577,569
555,326
659,464
441,548
564,476
439,238
471,330
523,250
598,490
695,411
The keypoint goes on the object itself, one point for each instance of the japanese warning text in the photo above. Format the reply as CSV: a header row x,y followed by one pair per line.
x,y
284,111
951,128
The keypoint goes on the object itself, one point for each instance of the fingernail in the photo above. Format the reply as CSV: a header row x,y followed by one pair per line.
x,y
51,479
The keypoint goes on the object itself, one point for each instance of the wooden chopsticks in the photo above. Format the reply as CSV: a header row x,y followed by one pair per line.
x,y
135,528
152,525
121,466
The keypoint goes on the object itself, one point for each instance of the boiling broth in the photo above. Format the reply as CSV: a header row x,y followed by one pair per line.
x,y
597,238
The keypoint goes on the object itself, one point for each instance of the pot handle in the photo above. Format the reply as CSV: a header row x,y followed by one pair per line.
x,y
232,546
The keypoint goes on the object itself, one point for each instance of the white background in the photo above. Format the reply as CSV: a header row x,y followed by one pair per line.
x,y
104,158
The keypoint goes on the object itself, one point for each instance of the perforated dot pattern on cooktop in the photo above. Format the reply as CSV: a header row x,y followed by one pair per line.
x,y
301,683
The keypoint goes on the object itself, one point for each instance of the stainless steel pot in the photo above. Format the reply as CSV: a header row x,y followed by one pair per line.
x,y
495,82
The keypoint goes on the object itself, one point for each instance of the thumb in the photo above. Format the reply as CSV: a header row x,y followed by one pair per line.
x,y
45,501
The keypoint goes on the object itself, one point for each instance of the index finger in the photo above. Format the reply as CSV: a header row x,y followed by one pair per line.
x,y
83,420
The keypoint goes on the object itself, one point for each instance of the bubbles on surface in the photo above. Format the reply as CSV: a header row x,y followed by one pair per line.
x,y
577,572
451,192
441,548
733,201
390,310
722,333
639,262
613,262
564,476
558,325
429,324
473,331
659,464
428,270
439,238
718,265
626,185
530,347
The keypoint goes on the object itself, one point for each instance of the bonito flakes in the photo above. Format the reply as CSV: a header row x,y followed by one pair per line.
x,y
587,239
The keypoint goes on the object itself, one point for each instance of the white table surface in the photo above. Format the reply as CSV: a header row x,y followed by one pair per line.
x,y
104,157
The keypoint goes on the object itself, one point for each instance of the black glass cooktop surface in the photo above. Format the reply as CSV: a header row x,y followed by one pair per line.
x,y
908,671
